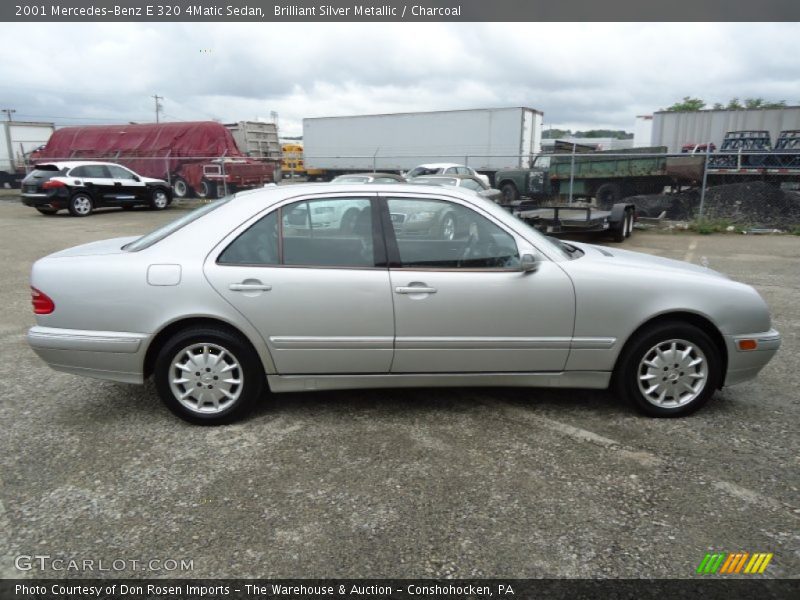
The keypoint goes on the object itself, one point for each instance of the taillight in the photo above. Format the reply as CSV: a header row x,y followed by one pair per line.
x,y
42,304
52,184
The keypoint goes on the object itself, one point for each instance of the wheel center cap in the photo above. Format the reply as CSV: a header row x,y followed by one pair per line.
x,y
206,378
673,377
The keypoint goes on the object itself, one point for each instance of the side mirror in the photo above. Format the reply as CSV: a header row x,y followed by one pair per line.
x,y
528,263
136,178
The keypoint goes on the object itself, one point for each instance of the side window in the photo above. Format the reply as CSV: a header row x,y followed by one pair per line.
x,y
330,232
463,171
119,172
256,246
78,172
435,234
90,171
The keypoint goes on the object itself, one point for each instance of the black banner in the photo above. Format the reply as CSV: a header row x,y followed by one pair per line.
x,y
394,10
398,589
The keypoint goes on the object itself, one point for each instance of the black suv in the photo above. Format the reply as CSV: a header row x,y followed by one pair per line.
x,y
80,187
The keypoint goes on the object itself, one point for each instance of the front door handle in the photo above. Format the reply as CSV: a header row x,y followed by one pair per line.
x,y
249,287
414,289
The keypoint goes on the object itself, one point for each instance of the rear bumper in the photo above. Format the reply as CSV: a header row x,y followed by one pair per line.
x,y
745,365
50,199
111,355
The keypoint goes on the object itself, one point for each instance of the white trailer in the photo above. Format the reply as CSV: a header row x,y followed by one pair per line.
x,y
676,129
17,140
486,139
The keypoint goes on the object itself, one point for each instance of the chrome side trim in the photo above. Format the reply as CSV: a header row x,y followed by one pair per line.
x,y
593,343
332,342
481,343
572,379
50,338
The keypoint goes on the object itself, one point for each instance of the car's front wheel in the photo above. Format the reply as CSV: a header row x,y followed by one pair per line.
x,y
208,376
669,370
159,199
80,205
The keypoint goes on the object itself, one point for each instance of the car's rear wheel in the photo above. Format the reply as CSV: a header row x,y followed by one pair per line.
x,y
208,376
159,199
46,211
80,205
669,370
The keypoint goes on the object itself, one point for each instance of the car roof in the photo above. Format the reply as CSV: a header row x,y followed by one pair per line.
x,y
439,165
392,175
443,176
71,164
278,193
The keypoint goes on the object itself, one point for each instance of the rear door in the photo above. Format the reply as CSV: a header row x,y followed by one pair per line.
x,y
97,181
461,302
312,277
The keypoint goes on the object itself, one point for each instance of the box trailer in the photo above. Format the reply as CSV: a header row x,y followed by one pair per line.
x,y
17,140
486,139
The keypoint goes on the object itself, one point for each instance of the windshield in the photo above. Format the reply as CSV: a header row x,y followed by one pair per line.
x,y
159,234
416,172
351,179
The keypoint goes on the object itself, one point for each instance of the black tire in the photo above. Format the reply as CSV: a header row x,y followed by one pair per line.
x,y
181,189
249,371
447,227
607,195
81,205
208,189
630,366
159,199
510,193
46,211
619,229
629,217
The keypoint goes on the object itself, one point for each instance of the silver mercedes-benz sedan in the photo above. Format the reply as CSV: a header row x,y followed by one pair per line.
x,y
425,286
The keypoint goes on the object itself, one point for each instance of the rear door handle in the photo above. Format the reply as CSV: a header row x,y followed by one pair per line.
x,y
249,287
414,289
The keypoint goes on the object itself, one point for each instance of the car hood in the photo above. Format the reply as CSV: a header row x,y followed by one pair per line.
x,y
112,246
639,260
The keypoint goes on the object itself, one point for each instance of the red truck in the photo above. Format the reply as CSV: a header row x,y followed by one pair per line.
x,y
195,157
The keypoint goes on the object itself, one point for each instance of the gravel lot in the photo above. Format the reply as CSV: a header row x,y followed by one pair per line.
x,y
422,483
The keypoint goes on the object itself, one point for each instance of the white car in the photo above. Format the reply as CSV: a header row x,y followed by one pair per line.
x,y
446,169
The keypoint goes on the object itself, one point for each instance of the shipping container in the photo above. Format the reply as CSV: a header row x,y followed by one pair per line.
x,y
676,129
486,139
17,140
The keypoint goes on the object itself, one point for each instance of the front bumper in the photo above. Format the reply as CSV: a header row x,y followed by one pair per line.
x,y
745,364
112,355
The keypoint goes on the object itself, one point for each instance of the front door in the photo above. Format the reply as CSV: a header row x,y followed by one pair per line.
x,y
311,276
461,302
128,187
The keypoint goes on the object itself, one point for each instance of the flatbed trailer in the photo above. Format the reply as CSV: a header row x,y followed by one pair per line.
x,y
566,219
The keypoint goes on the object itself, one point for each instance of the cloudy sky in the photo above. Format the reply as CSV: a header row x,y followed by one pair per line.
x,y
581,75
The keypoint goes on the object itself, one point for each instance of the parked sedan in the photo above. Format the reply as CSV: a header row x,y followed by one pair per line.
x,y
445,169
81,186
227,303
464,181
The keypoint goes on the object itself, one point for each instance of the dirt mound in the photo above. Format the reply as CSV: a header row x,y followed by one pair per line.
x,y
756,203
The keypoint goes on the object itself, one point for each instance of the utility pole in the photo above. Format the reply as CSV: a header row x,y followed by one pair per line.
x,y
9,145
159,107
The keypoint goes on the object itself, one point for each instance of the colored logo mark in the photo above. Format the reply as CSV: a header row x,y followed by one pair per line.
x,y
727,563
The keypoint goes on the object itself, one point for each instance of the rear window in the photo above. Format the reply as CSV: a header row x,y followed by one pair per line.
x,y
46,171
159,234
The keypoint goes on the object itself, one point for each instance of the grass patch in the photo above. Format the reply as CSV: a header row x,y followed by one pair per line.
x,y
709,226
